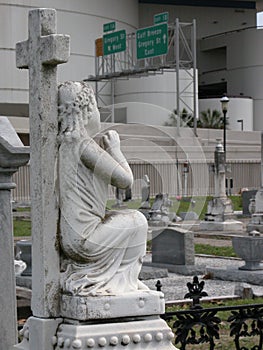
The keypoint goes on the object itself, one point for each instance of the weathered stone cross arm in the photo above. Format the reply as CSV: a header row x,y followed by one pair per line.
x,y
43,42
52,50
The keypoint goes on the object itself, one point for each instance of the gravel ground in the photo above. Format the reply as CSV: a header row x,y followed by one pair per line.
x,y
174,286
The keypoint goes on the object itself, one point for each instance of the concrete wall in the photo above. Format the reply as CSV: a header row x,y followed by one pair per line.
x,y
160,153
244,68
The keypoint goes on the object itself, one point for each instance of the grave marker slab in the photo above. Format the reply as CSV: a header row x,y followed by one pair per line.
x,y
12,155
256,222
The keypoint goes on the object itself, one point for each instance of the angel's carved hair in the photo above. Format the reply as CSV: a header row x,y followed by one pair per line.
x,y
75,105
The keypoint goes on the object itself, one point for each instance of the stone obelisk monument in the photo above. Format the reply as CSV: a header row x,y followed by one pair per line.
x,y
220,213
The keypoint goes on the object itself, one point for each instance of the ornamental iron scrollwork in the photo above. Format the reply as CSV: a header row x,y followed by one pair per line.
x,y
198,325
240,326
187,332
195,292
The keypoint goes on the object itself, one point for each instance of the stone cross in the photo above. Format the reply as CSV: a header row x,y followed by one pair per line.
x,y
41,54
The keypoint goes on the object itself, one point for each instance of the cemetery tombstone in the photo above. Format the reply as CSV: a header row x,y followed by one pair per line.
x,y
159,215
173,248
247,198
145,192
145,206
24,252
119,195
220,213
128,194
256,221
13,154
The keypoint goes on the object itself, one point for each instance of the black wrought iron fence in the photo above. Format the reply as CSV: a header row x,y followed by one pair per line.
x,y
202,326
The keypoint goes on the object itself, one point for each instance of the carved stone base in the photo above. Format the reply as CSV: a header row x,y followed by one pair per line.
x,y
254,227
256,223
228,225
105,307
38,334
149,333
219,209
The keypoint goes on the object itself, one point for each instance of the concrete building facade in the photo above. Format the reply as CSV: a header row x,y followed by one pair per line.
x,y
229,56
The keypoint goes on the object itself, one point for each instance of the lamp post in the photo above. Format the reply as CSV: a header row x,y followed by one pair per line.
x,y
242,123
224,103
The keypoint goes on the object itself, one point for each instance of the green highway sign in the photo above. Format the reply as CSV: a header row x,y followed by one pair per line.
x,y
114,42
107,27
161,18
152,41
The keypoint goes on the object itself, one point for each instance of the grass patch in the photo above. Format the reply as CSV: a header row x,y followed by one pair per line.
x,y
237,202
223,314
22,228
183,204
196,204
218,251
207,249
133,204
23,209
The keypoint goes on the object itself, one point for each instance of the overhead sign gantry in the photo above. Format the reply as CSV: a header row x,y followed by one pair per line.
x,y
148,51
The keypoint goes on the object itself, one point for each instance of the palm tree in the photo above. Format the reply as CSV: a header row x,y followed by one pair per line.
x,y
211,120
186,119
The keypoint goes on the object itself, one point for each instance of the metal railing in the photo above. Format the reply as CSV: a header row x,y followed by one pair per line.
x,y
21,193
165,177
198,325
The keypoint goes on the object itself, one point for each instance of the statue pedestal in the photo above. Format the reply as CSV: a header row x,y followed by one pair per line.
x,y
219,209
131,320
133,304
219,216
150,333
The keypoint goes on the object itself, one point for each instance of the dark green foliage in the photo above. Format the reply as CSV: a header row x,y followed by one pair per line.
x,y
186,119
211,119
